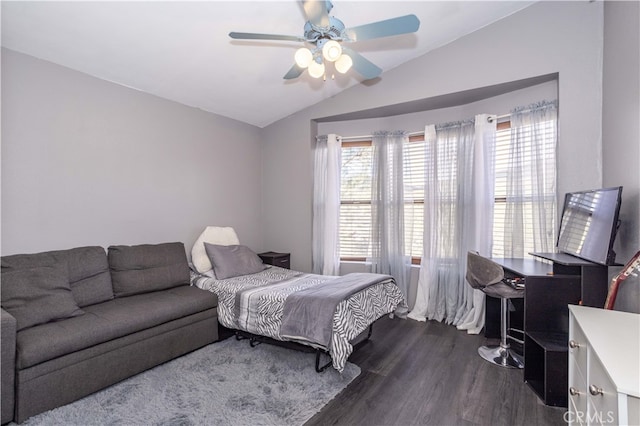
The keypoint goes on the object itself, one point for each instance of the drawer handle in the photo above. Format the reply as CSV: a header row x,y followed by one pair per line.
x,y
573,391
594,390
573,344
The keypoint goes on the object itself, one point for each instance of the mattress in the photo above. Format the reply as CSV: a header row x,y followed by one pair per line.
x,y
255,303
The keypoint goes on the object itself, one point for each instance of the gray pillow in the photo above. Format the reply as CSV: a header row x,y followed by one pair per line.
x,y
38,295
233,261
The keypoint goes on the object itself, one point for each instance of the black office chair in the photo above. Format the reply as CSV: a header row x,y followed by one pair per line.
x,y
486,275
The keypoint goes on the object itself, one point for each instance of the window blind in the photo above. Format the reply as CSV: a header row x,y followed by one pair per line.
x,y
355,201
355,198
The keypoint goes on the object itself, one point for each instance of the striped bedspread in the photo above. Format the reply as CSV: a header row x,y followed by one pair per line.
x,y
255,303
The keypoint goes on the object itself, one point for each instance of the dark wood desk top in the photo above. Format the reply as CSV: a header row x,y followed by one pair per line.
x,y
565,259
525,267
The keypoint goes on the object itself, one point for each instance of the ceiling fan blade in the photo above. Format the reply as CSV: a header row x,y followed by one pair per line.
x,y
362,65
389,27
294,72
317,12
256,36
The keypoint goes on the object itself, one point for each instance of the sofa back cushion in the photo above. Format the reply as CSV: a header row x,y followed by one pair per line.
x,y
87,268
38,295
147,267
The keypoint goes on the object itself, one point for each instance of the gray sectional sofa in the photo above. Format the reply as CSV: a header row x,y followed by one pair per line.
x,y
76,321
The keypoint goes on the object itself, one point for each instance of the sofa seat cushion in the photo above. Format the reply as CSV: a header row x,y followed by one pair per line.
x,y
107,321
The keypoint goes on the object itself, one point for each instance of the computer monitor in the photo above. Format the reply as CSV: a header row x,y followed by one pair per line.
x,y
589,224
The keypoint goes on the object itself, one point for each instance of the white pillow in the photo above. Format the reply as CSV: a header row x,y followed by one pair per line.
x,y
222,236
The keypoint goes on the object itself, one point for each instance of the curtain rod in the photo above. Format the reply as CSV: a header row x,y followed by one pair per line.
x,y
489,119
497,117
369,137
421,133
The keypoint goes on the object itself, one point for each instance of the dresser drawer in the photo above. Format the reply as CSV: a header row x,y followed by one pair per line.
x,y
578,396
578,346
603,396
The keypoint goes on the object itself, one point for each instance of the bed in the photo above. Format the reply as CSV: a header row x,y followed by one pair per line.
x,y
274,302
261,301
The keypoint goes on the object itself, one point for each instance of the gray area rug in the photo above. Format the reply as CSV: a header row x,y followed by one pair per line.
x,y
225,383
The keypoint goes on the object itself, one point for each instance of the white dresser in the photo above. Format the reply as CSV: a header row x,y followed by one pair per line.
x,y
604,367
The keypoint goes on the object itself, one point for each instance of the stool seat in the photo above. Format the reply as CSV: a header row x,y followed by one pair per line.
x,y
502,290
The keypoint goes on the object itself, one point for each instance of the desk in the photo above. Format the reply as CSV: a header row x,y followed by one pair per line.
x,y
549,289
593,277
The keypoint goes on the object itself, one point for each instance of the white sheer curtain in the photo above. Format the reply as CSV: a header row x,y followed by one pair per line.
x,y
481,217
531,180
326,205
387,208
457,218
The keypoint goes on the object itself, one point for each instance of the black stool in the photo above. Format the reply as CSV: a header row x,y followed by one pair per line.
x,y
486,275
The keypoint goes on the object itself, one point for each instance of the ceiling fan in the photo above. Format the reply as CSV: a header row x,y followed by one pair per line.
x,y
326,35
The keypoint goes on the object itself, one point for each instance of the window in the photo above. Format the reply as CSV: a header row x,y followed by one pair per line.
x,y
355,201
355,198
355,194
502,235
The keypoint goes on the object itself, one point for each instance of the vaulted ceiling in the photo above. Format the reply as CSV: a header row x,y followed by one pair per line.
x,y
181,50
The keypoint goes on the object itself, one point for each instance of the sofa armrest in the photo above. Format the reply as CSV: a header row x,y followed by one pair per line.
x,y
7,365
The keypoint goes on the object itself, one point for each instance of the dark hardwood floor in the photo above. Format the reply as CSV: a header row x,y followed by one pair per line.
x,y
431,374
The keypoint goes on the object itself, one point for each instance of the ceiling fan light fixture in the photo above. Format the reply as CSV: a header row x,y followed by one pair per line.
x,y
324,35
344,63
331,50
316,69
303,57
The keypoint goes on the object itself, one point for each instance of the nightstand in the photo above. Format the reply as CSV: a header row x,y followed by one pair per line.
x,y
282,260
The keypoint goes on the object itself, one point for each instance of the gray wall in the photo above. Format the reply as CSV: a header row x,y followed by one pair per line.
x,y
88,162
621,131
545,38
